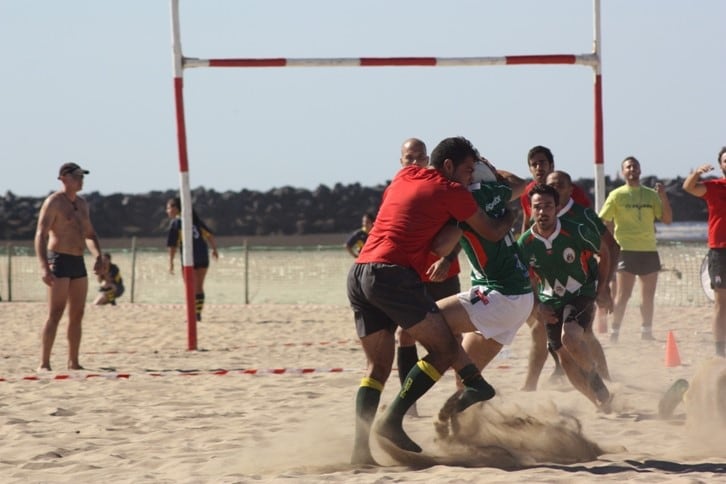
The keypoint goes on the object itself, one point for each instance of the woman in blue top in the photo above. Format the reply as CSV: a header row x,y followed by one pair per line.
x,y
201,235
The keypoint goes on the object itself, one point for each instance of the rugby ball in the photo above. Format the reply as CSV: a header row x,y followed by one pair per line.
x,y
483,172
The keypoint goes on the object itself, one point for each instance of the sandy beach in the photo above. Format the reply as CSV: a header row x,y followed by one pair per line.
x,y
269,397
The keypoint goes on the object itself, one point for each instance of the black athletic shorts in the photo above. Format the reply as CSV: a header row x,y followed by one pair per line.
x,y
383,296
578,311
717,268
639,263
446,288
65,265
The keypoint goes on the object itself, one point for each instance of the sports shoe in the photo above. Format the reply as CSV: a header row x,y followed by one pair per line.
x,y
672,398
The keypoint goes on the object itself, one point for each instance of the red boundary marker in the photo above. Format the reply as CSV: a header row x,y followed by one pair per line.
x,y
166,373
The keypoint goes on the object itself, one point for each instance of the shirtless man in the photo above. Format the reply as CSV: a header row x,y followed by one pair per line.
x,y
64,231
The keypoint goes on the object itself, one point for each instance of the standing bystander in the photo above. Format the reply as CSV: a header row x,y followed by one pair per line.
x,y
64,231
358,238
202,238
630,212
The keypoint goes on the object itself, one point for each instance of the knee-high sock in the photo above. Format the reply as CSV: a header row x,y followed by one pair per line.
x,y
418,381
199,304
407,357
366,405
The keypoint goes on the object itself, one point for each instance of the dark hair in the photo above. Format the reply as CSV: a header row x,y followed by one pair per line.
x,y
539,149
176,203
106,254
629,158
720,154
541,189
456,149
370,216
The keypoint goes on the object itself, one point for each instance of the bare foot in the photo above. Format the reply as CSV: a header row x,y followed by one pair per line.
x,y
75,366
43,368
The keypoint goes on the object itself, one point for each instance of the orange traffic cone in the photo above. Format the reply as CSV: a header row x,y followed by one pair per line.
x,y
672,358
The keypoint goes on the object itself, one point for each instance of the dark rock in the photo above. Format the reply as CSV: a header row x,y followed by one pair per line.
x,y
280,211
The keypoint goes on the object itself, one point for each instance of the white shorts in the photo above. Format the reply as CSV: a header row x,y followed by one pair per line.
x,y
495,315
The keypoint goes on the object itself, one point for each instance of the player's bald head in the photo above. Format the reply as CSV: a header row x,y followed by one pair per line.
x,y
413,144
413,152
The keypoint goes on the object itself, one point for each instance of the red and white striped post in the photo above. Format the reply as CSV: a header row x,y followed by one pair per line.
x,y
184,189
180,63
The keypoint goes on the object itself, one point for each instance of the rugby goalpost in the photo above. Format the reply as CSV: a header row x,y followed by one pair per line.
x,y
180,63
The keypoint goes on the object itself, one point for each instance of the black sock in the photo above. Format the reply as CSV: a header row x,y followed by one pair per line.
x,y
469,374
476,388
407,357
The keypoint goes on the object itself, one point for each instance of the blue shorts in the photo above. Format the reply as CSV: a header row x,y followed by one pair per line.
x,y
65,265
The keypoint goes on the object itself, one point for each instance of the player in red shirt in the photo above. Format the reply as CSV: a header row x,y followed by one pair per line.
x,y
386,290
441,279
541,163
714,192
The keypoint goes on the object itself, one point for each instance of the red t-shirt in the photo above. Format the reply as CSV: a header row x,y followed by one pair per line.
x,y
715,197
578,195
415,206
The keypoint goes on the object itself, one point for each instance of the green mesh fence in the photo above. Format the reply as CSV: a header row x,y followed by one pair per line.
x,y
291,275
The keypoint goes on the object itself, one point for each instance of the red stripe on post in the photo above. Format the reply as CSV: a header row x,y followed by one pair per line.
x,y
541,59
181,130
397,61
191,310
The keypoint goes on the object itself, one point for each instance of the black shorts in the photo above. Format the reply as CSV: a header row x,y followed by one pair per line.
x,y
446,288
717,268
65,265
201,260
578,311
383,296
639,263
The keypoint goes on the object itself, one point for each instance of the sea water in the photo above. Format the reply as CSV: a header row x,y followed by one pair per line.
x,y
682,231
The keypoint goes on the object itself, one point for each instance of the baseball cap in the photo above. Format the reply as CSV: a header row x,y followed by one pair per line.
x,y
67,168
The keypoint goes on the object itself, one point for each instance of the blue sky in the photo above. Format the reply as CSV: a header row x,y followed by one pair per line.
x,y
91,81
